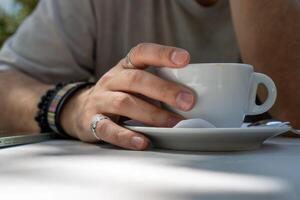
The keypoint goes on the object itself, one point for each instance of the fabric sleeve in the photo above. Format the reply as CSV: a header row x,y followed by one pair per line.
x,y
55,43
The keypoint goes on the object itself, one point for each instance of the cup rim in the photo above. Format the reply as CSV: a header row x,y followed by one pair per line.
x,y
223,64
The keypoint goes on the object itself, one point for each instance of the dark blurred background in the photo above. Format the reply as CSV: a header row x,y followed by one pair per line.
x,y
12,13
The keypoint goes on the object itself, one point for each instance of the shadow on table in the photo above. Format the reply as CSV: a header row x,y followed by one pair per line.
x,y
249,161
270,161
229,196
270,156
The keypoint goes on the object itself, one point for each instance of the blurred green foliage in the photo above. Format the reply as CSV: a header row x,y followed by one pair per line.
x,y
9,22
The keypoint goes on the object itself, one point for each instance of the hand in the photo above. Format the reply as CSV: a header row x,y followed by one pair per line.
x,y
114,95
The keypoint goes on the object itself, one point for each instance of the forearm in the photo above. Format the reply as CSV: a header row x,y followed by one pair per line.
x,y
20,95
268,36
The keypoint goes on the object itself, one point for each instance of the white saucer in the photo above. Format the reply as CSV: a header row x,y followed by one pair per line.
x,y
210,139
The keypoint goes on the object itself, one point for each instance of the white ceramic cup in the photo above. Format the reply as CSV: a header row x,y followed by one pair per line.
x,y
225,92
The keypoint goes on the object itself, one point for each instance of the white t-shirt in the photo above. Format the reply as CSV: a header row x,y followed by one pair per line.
x,y
75,40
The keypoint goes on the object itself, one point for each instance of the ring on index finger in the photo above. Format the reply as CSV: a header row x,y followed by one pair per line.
x,y
96,119
129,64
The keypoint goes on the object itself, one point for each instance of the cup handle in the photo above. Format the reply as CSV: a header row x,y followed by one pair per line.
x,y
257,79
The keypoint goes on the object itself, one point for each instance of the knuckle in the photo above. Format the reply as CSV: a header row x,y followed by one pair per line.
x,y
102,128
134,77
122,62
104,80
120,101
139,50
159,117
140,47
123,138
168,92
153,115
120,137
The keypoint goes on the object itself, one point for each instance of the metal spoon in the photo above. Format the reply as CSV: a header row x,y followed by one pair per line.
x,y
272,122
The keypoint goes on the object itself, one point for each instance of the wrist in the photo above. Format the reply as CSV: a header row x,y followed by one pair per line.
x,y
70,114
52,104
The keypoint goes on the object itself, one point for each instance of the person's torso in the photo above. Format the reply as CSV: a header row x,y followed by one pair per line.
x,y
206,32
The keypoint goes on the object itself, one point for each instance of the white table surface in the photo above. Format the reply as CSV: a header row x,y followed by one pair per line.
x,y
74,170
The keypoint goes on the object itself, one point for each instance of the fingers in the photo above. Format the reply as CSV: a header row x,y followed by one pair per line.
x,y
124,104
143,82
111,102
114,134
146,54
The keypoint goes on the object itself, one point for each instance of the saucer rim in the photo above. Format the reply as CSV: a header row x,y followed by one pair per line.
x,y
210,129
216,131
200,139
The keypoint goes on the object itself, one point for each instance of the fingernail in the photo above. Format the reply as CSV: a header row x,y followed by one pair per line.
x,y
173,121
137,142
185,100
179,57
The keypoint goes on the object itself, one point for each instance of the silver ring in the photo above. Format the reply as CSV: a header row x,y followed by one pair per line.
x,y
129,64
96,119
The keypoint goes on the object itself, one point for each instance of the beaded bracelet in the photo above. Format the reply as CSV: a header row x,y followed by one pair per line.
x,y
57,103
43,106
